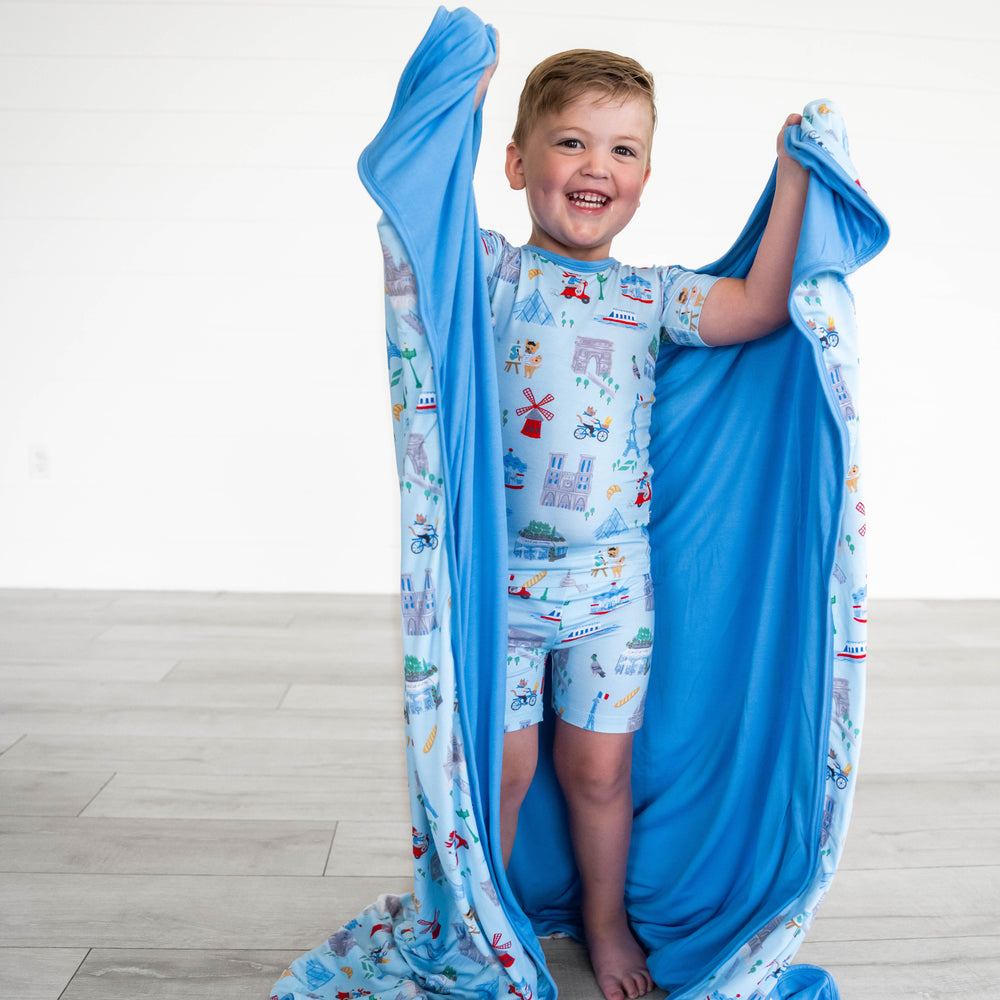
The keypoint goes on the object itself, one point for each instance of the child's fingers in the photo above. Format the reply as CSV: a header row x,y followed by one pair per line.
x,y
484,81
490,70
793,119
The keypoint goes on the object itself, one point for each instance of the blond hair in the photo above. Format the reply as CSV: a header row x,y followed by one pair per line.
x,y
562,78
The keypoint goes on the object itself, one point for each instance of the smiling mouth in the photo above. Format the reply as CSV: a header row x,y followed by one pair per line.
x,y
588,199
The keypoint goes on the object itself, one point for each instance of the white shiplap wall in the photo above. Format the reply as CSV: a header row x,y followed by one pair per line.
x,y
191,352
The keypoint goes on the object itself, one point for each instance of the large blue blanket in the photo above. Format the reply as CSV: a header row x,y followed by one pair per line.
x,y
744,769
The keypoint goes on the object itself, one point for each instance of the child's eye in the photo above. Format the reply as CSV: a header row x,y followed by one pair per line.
x,y
571,143
624,151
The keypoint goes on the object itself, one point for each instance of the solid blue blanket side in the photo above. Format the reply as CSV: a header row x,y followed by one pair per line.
x,y
749,456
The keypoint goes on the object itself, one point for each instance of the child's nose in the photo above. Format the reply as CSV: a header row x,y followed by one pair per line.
x,y
597,163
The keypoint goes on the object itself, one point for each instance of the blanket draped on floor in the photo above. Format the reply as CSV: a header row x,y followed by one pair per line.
x,y
745,766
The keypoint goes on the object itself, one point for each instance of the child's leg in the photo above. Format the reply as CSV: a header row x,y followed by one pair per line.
x,y
520,756
523,708
594,770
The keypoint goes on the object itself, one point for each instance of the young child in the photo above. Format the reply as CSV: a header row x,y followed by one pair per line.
x,y
581,152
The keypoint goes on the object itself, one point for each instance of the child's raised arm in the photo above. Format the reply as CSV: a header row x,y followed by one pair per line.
x,y
741,309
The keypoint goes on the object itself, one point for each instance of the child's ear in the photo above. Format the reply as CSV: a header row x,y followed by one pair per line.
x,y
514,168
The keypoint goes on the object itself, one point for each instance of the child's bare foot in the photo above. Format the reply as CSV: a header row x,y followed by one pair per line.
x,y
619,962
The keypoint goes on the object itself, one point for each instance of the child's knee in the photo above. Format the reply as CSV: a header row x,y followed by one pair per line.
x,y
595,765
520,758
603,777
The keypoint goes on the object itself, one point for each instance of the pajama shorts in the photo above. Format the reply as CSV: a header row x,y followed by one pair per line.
x,y
598,636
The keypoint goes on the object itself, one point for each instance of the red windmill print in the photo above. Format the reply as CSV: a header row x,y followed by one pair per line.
x,y
502,950
533,424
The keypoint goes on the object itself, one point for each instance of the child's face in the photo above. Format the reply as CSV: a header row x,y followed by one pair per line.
x,y
584,169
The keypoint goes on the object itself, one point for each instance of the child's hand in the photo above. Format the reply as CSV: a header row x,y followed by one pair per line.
x,y
790,120
484,80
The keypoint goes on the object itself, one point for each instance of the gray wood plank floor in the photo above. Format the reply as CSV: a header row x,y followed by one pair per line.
x,y
197,788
